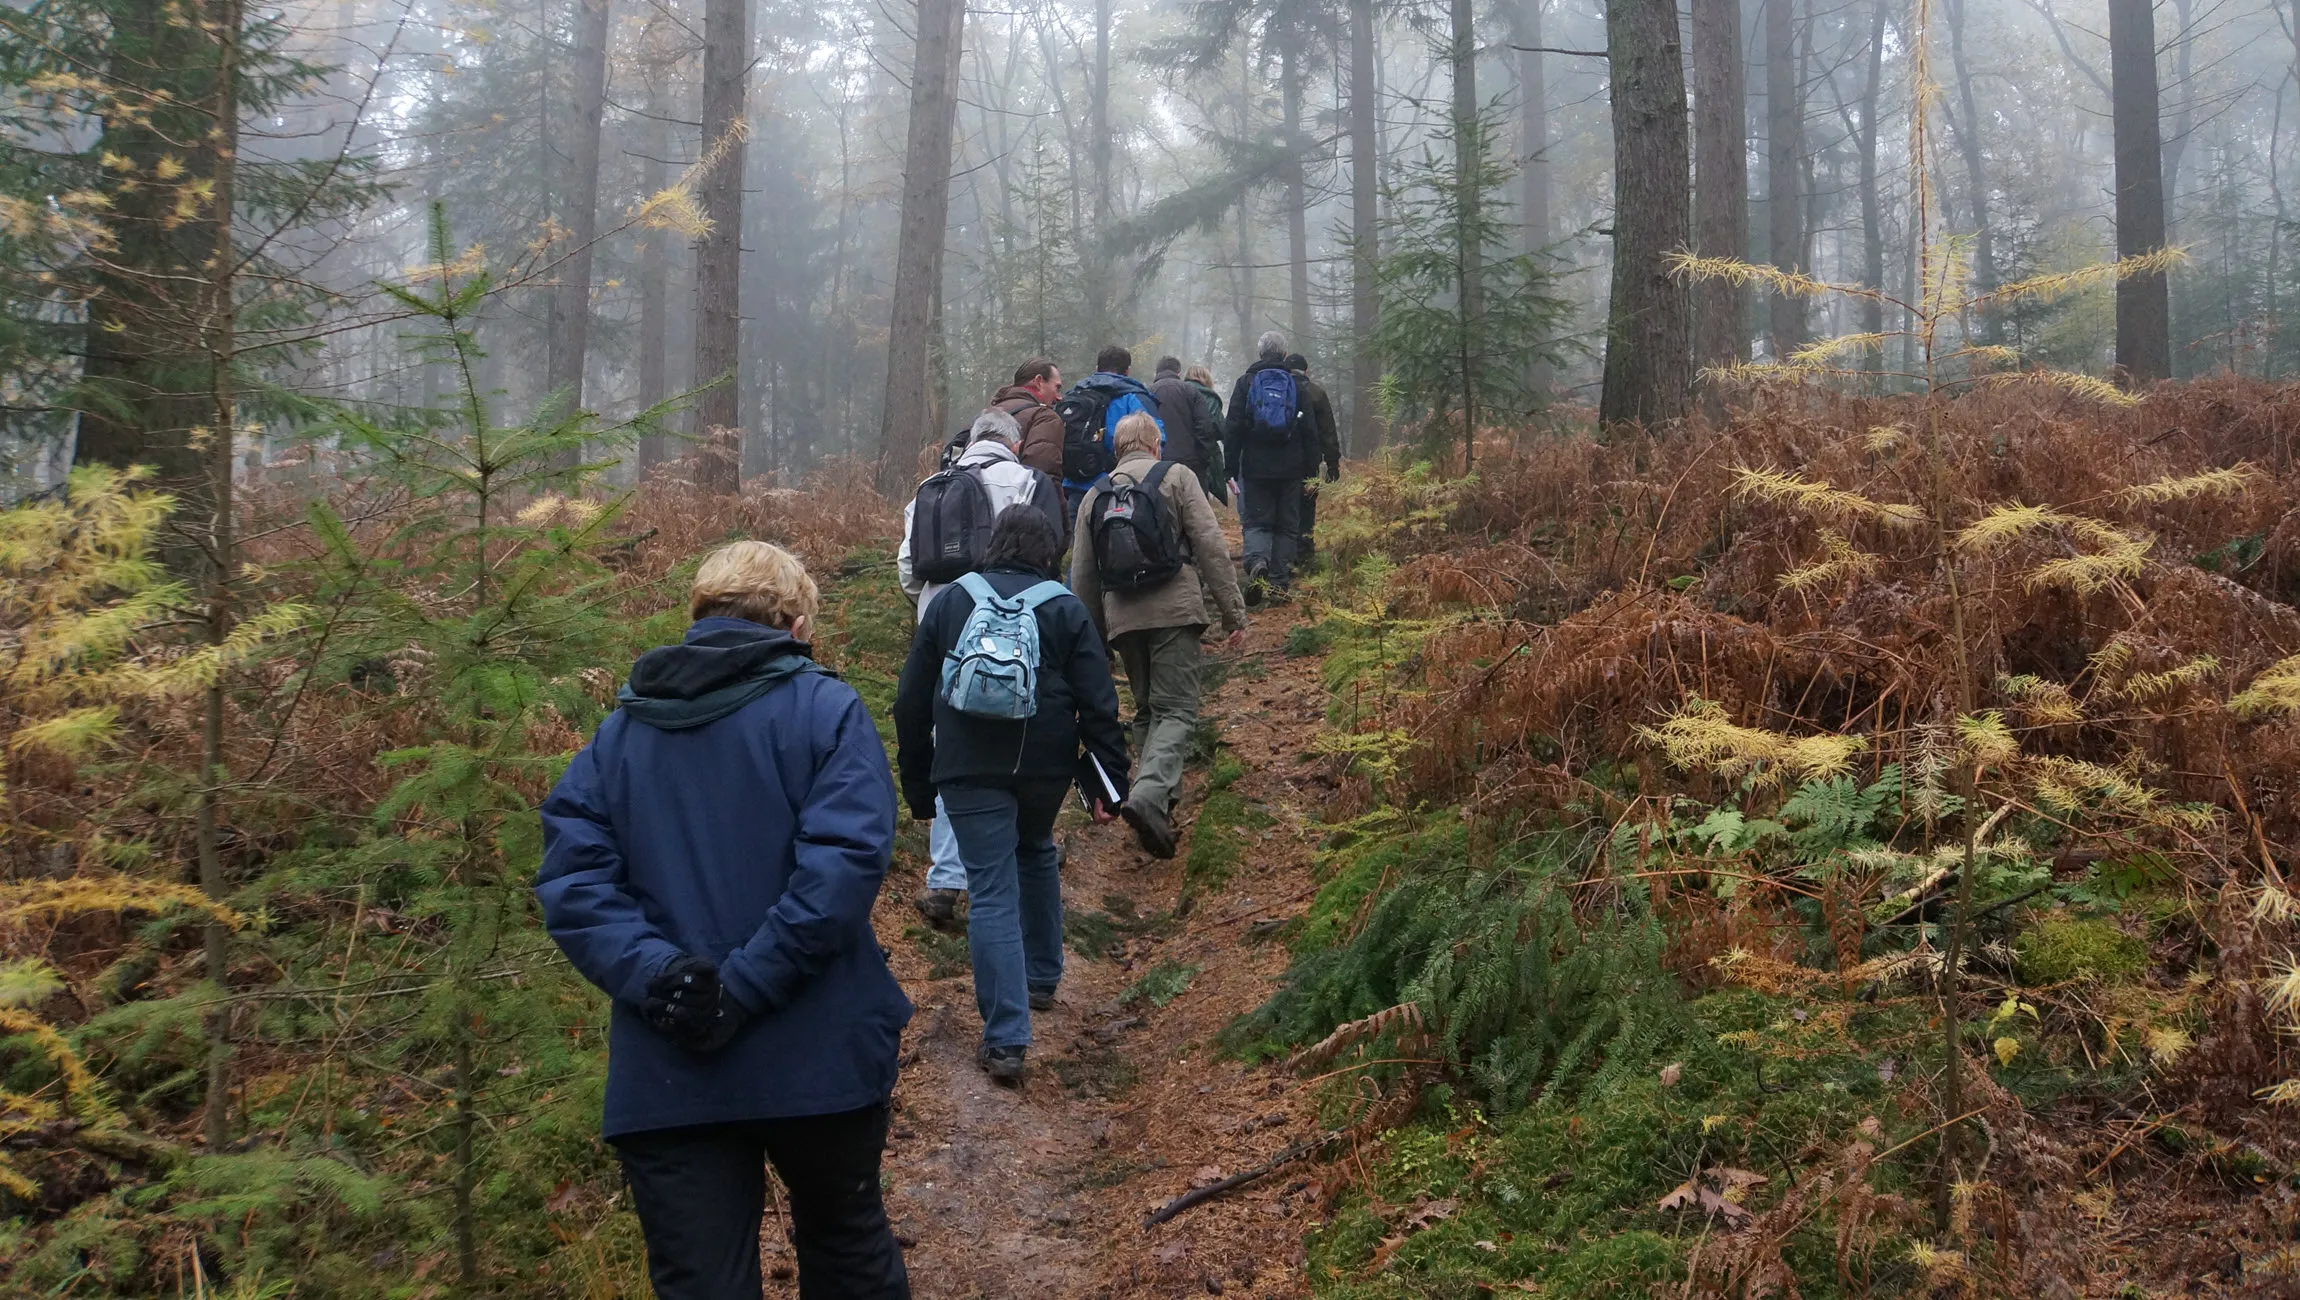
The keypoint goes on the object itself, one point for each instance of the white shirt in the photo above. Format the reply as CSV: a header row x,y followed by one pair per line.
x,y
1008,482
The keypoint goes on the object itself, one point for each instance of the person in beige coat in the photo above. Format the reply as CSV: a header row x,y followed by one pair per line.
x,y
1156,630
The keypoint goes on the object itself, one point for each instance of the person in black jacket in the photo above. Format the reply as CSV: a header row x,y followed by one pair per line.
x,y
1002,783
1320,408
1273,459
1191,438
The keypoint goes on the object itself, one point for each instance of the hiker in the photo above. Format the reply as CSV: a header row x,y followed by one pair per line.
x,y
943,541
1269,431
1191,438
1148,543
1329,450
1090,411
709,861
994,730
1030,400
1216,479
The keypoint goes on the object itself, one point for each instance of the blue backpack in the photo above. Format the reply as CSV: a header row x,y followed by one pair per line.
x,y
1273,400
993,670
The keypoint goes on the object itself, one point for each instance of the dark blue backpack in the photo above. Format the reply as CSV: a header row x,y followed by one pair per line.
x,y
1274,401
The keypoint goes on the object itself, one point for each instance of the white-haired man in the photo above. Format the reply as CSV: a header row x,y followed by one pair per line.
x,y
945,530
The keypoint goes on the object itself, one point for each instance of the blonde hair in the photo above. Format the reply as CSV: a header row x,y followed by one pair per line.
x,y
1136,432
1199,375
755,581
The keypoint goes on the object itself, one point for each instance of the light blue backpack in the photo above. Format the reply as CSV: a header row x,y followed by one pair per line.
x,y
993,670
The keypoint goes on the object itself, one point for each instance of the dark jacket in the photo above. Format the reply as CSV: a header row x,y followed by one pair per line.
x,y
1221,460
1077,703
1189,435
738,808
1320,408
1296,458
1120,388
1041,447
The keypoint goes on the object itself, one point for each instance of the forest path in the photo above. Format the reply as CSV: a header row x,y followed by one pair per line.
x,y
1041,1192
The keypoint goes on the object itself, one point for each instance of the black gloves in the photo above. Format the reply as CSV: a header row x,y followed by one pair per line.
x,y
1333,471
687,1004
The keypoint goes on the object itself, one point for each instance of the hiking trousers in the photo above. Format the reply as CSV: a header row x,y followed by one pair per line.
x,y
1014,892
1270,514
701,1193
944,869
1162,674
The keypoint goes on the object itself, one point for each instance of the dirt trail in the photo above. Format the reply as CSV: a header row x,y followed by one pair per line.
x,y
1042,1192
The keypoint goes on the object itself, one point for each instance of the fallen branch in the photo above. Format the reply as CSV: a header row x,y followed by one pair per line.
x,y
1201,1195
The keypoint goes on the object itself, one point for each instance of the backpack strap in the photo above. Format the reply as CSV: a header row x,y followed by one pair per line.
x,y
1157,475
1045,590
978,587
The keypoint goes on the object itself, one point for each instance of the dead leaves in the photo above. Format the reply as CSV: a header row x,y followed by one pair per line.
x,y
1423,1217
1718,1193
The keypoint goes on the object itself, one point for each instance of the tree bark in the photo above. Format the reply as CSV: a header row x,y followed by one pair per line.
x,y
654,270
1469,244
1872,211
1533,162
1297,191
918,252
1649,325
1967,125
719,253
1720,181
1365,246
2143,307
570,337
1784,171
1096,246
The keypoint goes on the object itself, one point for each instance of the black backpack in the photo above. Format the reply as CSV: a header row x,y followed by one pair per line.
x,y
950,525
1137,543
954,448
1085,455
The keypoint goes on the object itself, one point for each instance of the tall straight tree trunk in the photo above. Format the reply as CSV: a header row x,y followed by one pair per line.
x,y
719,253
1872,212
1967,125
1649,322
1096,245
654,269
2143,307
1365,247
1297,193
1532,150
1784,170
1469,245
918,251
570,340
1720,183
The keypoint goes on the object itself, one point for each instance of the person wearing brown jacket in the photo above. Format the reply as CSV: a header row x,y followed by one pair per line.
x,y
1156,630
1030,400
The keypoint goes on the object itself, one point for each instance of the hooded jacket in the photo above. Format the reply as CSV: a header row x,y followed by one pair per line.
x,y
1180,601
1041,429
1299,460
737,808
1008,481
1127,394
1077,704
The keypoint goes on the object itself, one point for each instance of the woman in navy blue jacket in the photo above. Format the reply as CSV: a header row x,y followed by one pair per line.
x,y
1003,782
710,861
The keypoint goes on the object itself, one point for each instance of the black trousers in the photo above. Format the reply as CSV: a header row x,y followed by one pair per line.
x,y
701,1193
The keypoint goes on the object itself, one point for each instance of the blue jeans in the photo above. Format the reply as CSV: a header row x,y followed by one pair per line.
x,y
1014,916
944,870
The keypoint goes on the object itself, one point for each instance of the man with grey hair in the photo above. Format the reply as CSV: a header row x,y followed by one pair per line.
x,y
1267,430
945,529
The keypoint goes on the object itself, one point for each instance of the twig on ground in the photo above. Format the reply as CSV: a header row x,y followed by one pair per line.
x,y
1201,1195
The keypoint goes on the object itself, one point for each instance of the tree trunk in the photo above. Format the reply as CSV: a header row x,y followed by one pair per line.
x,y
1872,213
1720,182
918,253
654,270
570,340
1649,322
1533,160
2143,309
1365,247
1096,245
719,253
1469,244
1784,171
1967,125
1297,192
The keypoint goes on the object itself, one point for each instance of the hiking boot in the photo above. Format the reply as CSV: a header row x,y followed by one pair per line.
x,y
1002,1064
1257,581
1042,999
1151,826
940,908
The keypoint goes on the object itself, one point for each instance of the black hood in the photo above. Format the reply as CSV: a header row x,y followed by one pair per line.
x,y
724,664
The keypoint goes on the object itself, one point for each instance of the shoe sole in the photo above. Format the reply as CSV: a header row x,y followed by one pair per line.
x,y
1147,836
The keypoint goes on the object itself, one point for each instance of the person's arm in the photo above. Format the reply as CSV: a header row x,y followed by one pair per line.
x,y
584,889
1085,580
1209,550
1042,440
1329,438
845,839
903,574
914,708
1096,698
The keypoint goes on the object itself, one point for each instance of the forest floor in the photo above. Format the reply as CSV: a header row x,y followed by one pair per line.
x,y
1042,1191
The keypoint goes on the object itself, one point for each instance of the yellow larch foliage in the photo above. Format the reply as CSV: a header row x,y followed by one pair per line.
x,y
2275,691
1701,735
1822,498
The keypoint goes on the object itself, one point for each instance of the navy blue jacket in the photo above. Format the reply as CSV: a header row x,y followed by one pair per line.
x,y
737,808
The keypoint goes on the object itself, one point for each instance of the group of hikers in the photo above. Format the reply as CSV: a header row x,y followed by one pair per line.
x,y
712,857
